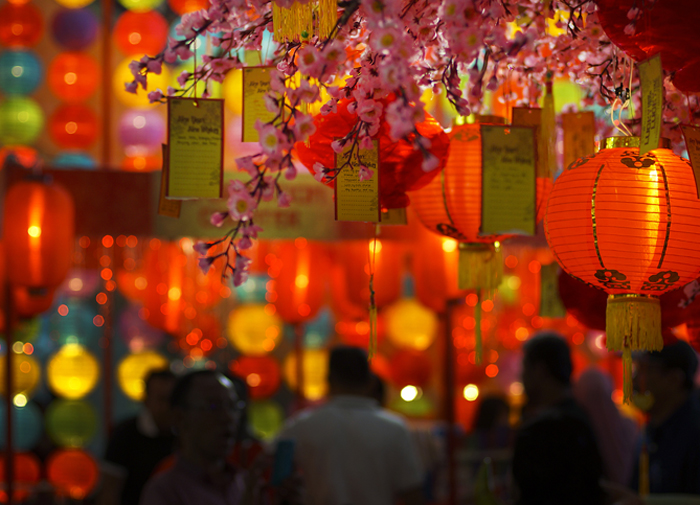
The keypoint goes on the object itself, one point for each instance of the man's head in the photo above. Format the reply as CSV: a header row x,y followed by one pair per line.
x,y
668,372
348,371
159,385
207,414
546,365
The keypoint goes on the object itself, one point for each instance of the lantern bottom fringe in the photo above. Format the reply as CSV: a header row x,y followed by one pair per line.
x,y
633,322
294,23
480,266
327,17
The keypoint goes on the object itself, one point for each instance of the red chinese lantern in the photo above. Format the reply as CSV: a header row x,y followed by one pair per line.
x,y
73,77
20,25
399,163
74,126
628,224
261,373
27,473
140,33
410,368
184,6
301,282
73,472
39,222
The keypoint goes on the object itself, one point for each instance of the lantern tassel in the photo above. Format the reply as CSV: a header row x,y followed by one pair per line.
x,y
480,266
626,376
633,322
294,23
478,346
327,17
548,134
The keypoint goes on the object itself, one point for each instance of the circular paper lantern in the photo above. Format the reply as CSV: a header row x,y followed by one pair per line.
x,y
399,163
26,374
21,121
184,6
314,369
122,75
20,72
213,86
73,77
142,129
137,334
20,25
301,283
410,324
80,161
71,423
261,373
72,372
26,472
254,329
410,368
39,223
72,472
29,302
74,4
133,370
74,29
510,93
139,33
265,418
74,126
141,5
26,426
627,224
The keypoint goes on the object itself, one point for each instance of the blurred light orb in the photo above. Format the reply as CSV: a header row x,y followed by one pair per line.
x,y
73,76
26,374
265,418
122,75
410,324
314,370
74,29
72,160
139,33
133,370
253,330
71,423
74,126
20,72
21,121
143,129
141,5
72,372
21,25
26,426
72,472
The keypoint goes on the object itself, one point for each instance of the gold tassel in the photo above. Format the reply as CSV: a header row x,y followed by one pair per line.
x,y
372,320
478,346
548,134
633,322
626,376
480,266
327,17
293,24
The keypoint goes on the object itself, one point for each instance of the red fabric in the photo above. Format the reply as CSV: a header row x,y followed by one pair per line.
x,y
399,164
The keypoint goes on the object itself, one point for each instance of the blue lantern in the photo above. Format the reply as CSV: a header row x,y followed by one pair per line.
x,y
20,72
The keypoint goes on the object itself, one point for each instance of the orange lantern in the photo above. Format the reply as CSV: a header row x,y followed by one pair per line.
x,y
73,126
184,6
140,33
410,368
142,163
39,222
261,373
301,283
628,224
73,77
20,25
508,95
72,472
27,473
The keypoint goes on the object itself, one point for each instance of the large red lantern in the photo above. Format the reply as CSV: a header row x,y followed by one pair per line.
x,y
399,163
74,126
73,77
39,224
20,25
410,368
261,373
628,224
140,33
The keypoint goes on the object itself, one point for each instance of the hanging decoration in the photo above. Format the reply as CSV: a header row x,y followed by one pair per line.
x,y
295,20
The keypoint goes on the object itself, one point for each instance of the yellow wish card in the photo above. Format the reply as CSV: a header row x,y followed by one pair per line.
x,y
196,148
357,200
508,180
256,83
651,77
167,207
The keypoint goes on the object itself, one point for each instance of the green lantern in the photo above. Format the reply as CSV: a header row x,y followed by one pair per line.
x,y
265,418
21,121
71,423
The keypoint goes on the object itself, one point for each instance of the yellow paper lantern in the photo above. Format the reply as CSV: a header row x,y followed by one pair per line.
x,y
214,87
254,329
26,375
314,370
265,418
233,91
122,75
72,372
133,370
411,324
74,4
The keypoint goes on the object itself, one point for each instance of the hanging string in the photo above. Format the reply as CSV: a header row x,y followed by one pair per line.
x,y
372,253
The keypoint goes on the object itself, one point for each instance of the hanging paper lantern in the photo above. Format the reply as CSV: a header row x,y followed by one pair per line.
x,y
75,160
410,368
142,131
74,126
399,164
29,302
26,469
510,93
627,224
261,373
410,324
184,6
301,283
73,77
26,426
74,29
20,72
72,472
26,374
355,332
71,423
139,33
314,369
21,121
72,372
254,330
20,25
122,74
133,370
136,332
265,418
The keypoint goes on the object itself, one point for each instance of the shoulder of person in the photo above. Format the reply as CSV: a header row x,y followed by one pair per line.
x,y
159,490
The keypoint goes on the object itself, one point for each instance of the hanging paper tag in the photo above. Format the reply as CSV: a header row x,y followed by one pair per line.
x,y
692,144
579,135
508,180
196,145
531,116
357,200
256,83
167,207
550,303
394,217
651,77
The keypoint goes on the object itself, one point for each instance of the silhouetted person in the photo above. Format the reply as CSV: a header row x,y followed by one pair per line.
x,y
491,428
556,459
377,389
206,416
138,444
247,447
673,431
350,451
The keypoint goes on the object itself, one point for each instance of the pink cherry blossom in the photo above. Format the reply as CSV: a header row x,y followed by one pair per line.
x,y
241,205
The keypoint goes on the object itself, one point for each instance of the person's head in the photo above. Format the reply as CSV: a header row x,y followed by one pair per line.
x,y
158,387
377,389
243,395
493,412
348,371
547,365
207,414
669,372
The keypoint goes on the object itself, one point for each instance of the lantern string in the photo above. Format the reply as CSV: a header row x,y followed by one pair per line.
x,y
372,253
